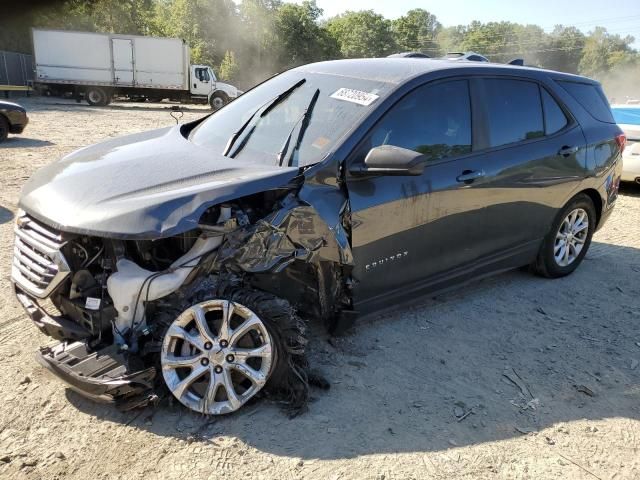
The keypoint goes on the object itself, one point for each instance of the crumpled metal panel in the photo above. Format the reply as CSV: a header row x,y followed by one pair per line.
x,y
294,232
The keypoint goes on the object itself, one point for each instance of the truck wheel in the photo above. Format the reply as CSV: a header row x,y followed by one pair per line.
x,y
97,97
219,353
218,100
4,128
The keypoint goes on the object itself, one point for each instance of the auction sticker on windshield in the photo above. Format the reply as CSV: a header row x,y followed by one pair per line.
x,y
355,96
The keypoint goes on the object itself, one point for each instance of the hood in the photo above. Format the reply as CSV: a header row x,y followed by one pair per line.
x,y
148,185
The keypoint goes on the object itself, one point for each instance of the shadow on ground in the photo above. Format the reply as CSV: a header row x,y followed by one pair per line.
x,y
5,215
23,142
492,360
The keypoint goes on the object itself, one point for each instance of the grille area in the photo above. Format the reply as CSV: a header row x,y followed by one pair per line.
x,y
38,264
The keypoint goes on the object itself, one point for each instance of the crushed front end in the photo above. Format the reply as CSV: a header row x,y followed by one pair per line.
x,y
60,280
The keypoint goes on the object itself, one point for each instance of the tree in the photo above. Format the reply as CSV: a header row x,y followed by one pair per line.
x,y
602,51
417,31
563,49
299,37
362,34
229,67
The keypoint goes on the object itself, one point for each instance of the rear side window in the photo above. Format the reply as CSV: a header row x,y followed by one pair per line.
x,y
434,120
592,98
514,111
554,118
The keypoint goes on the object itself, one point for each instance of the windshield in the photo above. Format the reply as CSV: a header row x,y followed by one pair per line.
x,y
303,125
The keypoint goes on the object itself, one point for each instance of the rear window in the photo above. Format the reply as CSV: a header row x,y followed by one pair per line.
x,y
592,98
514,110
554,118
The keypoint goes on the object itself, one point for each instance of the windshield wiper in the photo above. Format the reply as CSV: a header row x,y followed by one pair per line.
x,y
304,123
263,110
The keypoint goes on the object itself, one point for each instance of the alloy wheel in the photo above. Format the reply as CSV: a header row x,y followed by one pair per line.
x,y
571,237
216,356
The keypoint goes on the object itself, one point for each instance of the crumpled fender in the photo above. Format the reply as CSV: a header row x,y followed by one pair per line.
x,y
307,227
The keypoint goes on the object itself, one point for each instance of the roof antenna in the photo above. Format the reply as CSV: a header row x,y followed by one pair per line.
x,y
517,61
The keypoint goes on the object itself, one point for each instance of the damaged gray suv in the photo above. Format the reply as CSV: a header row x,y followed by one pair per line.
x,y
186,258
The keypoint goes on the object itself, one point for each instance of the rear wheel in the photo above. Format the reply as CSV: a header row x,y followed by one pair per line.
x,y
97,97
4,128
218,354
568,240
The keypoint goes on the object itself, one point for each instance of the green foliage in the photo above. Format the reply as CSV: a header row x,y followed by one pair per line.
x,y
229,68
417,31
362,34
253,39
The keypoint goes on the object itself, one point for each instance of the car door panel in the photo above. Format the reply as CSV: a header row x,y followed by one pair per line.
x,y
408,228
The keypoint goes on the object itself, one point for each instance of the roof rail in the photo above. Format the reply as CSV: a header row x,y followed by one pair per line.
x,y
408,55
517,61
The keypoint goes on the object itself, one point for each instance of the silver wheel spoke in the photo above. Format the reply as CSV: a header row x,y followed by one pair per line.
x,y
242,354
227,313
179,332
214,383
201,323
232,396
180,388
171,361
256,377
249,324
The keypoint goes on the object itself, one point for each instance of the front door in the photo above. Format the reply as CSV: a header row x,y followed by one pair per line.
x,y
122,61
406,229
200,80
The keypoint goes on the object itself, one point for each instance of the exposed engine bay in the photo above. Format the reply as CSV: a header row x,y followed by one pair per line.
x,y
126,310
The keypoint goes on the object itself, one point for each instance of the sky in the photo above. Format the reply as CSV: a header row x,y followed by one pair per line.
x,y
618,16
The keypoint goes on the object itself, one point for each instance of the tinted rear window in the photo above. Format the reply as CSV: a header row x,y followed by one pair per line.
x,y
514,110
554,117
591,98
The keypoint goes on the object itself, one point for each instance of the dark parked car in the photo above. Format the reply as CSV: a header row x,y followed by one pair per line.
x,y
334,190
13,119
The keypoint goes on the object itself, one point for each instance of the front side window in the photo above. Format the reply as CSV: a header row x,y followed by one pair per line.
x,y
514,111
202,74
434,120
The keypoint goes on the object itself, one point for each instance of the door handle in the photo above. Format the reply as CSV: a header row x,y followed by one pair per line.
x,y
567,151
469,176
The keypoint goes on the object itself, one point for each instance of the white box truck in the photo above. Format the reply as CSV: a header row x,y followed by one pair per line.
x,y
98,66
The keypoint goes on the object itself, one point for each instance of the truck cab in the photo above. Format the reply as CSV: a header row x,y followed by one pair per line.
x,y
203,83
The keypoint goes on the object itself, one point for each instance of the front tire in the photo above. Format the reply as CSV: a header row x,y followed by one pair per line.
x,y
218,100
568,240
219,353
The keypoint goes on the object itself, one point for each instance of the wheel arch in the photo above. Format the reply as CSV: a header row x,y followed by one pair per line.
x,y
595,197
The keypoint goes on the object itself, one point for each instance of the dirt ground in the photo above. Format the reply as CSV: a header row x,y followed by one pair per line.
x,y
511,377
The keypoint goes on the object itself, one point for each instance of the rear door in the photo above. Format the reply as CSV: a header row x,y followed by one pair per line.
x,y
122,50
533,152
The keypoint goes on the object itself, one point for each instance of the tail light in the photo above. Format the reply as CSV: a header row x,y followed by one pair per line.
x,y
621,140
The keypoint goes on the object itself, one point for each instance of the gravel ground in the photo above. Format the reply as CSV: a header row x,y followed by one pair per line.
x,y
511,377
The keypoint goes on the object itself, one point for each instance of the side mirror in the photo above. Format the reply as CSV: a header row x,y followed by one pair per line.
x,y
390,160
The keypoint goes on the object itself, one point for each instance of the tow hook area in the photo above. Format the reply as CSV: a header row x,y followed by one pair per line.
x,y
102,375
